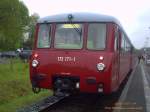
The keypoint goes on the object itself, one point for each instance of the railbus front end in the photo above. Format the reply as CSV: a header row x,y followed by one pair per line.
x,y
74,53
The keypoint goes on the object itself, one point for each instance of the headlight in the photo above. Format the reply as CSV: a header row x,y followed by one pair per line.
x,y
35,63
100,66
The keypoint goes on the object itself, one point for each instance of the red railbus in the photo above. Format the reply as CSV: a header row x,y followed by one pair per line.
x,y
82,52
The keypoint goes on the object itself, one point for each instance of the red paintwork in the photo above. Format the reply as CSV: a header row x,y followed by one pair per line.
x,y
85,64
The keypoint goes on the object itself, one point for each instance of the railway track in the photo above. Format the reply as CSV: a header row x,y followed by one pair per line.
x,y
99,103
77,103
43,104
85,103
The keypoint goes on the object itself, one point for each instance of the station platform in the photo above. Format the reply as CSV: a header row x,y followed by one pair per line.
x,y
135,97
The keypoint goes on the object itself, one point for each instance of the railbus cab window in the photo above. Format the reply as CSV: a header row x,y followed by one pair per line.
x,y
44,36
68,36
96,36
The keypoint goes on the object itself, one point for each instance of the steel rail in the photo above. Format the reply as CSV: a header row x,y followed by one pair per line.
x,y
43,104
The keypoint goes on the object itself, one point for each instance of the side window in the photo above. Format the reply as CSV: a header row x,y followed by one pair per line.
x,y
129,47
122,43
125,45
44,36
116,41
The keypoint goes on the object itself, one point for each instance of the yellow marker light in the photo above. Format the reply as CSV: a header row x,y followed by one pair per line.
x,y
71,26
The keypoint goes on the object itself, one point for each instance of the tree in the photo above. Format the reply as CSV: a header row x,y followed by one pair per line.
x,y
14,16
31,30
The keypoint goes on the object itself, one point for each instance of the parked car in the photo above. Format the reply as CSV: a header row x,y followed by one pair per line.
x,y
9,54
25,54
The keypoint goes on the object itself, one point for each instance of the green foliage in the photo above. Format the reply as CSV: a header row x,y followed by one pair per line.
x,y
31,29
14,17
15,87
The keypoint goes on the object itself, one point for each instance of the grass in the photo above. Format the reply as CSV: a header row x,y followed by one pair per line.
x,y
15,87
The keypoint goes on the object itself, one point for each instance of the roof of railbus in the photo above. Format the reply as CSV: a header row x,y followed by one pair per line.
x,y
80,17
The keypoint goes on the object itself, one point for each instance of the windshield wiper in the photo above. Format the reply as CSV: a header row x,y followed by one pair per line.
x,y
77,30
70,17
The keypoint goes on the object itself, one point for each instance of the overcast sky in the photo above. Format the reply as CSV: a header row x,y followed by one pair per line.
x,y
134,15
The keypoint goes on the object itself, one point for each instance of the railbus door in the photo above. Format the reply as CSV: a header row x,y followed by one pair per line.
x,y
117,55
